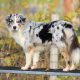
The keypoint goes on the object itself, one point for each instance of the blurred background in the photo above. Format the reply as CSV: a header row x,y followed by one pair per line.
x,y
11,54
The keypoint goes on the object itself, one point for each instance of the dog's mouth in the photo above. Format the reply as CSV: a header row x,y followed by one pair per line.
x,y
14,30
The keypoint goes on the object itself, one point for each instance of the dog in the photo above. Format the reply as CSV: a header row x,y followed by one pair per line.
x,y
34,37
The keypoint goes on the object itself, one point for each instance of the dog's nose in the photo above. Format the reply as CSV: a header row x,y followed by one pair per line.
x,y
14,27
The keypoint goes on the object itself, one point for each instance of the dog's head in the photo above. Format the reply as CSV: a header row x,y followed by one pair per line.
x,y
15,21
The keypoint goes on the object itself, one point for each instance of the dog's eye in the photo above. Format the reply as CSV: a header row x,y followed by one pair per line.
x,y
10,21
19,21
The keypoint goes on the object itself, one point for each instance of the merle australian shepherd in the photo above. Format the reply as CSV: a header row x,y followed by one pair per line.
x,y
34,37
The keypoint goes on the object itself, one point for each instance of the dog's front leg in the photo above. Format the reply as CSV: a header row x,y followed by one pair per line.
x,y
28,57
35,60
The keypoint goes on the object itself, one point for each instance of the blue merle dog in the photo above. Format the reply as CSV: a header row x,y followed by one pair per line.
x,y
34,37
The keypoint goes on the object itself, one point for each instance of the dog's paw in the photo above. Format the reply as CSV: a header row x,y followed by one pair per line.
x,y
25,68
66,69
72,68
34,67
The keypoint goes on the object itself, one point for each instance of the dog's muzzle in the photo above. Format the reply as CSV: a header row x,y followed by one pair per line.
x,y
14,27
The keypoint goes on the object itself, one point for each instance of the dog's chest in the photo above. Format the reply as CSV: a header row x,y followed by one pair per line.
x,y
19,38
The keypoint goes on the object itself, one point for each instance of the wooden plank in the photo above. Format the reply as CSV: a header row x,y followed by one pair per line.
x,y
51,72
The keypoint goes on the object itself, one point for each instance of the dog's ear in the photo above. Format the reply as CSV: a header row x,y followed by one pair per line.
x,y
8,18
67,25
23,19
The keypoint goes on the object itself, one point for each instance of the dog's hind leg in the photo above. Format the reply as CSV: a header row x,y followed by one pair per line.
x,y
75,58
65,54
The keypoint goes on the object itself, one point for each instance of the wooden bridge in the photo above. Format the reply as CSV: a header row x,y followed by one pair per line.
x,y
51,72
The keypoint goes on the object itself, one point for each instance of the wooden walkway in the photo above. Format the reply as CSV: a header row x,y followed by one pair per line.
x,y
51,72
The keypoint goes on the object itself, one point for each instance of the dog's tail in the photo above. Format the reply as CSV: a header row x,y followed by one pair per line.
x,y
75,56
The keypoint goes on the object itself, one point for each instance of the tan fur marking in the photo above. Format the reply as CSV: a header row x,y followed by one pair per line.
x,y
30,49
65,54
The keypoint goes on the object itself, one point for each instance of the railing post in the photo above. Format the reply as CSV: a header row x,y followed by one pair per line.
x,y
53,60
54,52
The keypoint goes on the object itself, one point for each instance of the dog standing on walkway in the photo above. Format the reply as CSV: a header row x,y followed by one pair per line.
x,y
34,37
